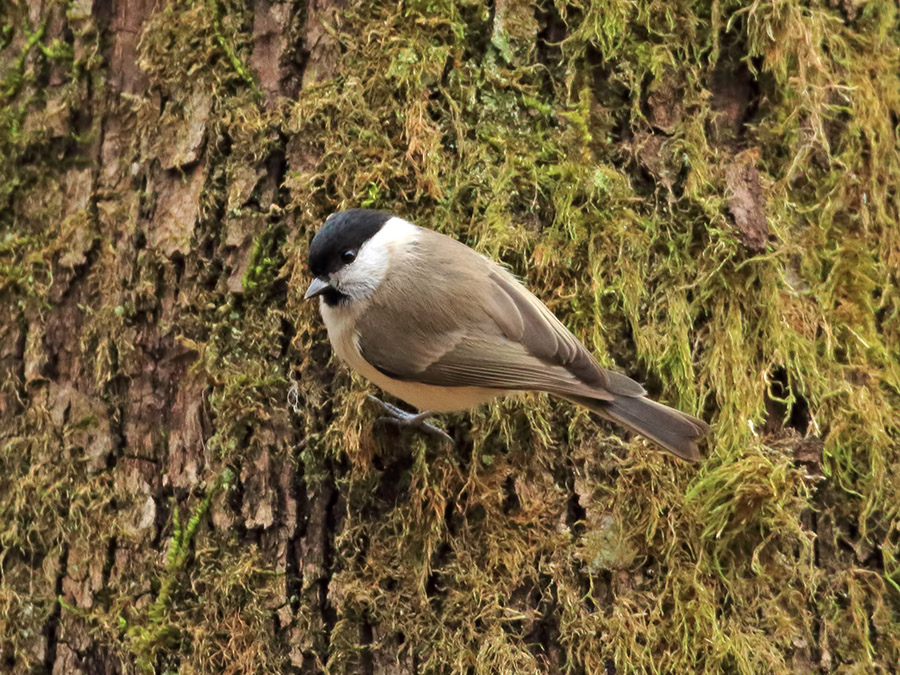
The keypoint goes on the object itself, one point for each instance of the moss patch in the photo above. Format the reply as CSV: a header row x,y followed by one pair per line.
x,y
609,153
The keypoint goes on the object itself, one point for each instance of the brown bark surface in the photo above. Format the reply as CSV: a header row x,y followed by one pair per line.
x,y
190,483
102,392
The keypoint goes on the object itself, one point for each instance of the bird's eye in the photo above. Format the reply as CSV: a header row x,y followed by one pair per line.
x,y
348,256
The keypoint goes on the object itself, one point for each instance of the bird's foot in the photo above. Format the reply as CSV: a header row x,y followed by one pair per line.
x,y
401,418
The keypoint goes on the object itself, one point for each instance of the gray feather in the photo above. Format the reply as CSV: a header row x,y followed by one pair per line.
x,y
677,432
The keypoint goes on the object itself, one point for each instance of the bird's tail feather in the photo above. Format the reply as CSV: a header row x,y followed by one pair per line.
x,y
672,429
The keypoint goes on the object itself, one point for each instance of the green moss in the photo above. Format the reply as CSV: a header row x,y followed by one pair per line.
x,y
150,631
535,186
596,168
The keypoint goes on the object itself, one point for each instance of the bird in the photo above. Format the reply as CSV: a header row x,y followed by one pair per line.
x,y
444,328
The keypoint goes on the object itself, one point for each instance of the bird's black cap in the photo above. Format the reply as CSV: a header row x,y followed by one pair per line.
x,y
346,230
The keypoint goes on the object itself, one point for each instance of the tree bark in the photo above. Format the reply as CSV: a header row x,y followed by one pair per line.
x,y
190,483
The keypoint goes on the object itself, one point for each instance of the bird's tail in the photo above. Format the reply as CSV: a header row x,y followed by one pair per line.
x,y
672,429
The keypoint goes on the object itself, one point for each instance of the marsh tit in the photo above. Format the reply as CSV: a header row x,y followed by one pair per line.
x,y
444,328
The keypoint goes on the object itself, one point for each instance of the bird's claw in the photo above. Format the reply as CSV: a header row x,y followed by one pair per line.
x,y
401,418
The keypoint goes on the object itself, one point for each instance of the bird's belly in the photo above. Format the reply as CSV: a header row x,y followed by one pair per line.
x,y
421,396
429,397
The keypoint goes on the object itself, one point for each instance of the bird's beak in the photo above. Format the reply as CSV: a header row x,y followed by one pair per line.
x,y
317,287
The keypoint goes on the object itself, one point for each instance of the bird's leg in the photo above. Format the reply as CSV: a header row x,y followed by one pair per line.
x,y
401,418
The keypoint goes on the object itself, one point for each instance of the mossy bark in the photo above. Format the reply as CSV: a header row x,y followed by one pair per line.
x,y
705,193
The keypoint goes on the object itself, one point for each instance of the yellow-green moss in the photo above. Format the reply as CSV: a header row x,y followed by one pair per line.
x,y
540,528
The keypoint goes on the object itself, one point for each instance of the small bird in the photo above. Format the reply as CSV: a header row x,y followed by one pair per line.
x,y
442,327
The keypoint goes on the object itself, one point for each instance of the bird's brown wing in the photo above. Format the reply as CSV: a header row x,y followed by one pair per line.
x,y
472,324
526,320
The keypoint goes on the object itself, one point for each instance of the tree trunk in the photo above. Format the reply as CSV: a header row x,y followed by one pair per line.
x,y
705,195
